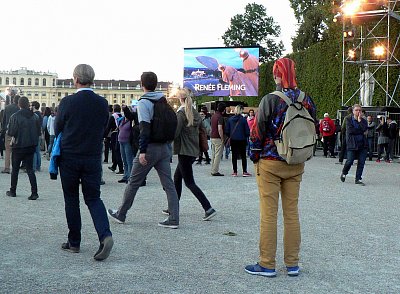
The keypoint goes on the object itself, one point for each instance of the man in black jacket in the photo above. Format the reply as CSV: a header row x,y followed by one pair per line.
x,y
82,118
24,128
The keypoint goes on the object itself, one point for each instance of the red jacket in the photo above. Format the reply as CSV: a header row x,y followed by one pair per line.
x,y
331,126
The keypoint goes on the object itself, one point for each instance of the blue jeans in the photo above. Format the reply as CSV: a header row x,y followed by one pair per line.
x,y
37,160
370,147
74,169
127,158
361,155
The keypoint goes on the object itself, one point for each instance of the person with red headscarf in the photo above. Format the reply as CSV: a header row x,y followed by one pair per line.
x,y
274,176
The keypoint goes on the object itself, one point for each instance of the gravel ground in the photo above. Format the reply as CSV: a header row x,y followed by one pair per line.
x,y
350,237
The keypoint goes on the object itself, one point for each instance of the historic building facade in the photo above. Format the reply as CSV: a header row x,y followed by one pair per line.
x,y
48,89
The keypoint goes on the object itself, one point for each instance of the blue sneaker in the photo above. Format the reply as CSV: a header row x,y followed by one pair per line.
x,y
257,269
293,271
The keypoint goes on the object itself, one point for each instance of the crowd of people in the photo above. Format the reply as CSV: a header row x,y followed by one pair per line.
x,y
83,140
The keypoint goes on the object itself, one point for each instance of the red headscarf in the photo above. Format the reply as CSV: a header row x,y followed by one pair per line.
x,y
284,69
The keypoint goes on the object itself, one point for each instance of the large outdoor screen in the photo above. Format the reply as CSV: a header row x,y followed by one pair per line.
x,y
222,71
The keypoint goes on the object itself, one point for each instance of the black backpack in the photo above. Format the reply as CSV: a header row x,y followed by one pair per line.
x,y
164,122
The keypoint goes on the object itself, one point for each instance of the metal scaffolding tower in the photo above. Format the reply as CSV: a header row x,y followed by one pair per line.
x,y
372,26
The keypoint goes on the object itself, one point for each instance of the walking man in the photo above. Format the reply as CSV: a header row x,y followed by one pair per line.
x,y
274,176
81,121
151,154
357,145
24,128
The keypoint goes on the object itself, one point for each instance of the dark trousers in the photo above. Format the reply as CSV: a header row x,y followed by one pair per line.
x,y
238,148
381,148
391,148
107,144
116,153
361,155
370,147
86,170
329,143
16,159
184,171
343,149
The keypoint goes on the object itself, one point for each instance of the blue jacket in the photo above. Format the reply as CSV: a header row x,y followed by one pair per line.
x,y
241,132
55,155
355,133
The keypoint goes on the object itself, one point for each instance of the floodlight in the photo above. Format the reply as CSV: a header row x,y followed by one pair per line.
x,y
351,7
379,50
351,53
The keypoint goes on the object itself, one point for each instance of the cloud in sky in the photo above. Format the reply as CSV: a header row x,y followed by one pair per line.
x,y
120,38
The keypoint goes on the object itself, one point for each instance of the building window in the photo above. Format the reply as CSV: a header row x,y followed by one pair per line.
x,y
54,82
123,101
115,101
43,104
1,81
14,81
7,81
123,95
66,94
36,93
44,82
22,81
131,96
43,93
115,95
36,82
59,94
105,96
29,82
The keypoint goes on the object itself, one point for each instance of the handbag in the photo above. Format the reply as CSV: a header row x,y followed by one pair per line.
x,y
227,141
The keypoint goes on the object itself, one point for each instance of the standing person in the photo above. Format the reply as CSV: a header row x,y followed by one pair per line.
x,y
343,149
327,129
112,127
50,129
275,176
217,138
24,127
45,132
37,159
186,145
107,137
151,155
383,138
206,124
8,111
238,133
357,144
250,122
392,137
125,147
370,136
80,160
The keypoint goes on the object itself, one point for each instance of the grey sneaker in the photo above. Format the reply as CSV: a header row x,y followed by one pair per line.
x,y
67,247
113,215
168,224
209,214
358,182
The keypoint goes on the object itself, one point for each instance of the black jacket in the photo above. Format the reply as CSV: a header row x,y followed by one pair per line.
x,y
82,119
25,127
8,111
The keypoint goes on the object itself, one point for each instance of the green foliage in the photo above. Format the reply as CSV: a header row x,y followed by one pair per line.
x,y
255,28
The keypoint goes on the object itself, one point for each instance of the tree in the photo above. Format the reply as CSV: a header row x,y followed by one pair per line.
x,y
255,28
313,18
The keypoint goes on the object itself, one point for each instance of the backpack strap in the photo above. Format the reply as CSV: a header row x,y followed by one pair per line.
x,y
287,99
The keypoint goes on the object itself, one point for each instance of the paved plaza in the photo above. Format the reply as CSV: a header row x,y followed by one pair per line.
x,y
350,237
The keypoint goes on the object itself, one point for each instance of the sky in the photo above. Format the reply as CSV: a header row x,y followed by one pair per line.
x,y
121,38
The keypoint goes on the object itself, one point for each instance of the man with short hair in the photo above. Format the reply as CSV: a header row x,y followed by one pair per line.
x,y
217,138
81,120
356,127
37,160
8,111
151,154
24,128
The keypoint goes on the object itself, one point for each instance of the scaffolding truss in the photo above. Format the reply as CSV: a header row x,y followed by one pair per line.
x,y
372,27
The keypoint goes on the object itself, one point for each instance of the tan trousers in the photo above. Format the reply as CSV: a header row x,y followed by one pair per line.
x,y
216,149
274,177
7,158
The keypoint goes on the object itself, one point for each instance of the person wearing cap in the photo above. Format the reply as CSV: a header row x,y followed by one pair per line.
x,y
327,130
